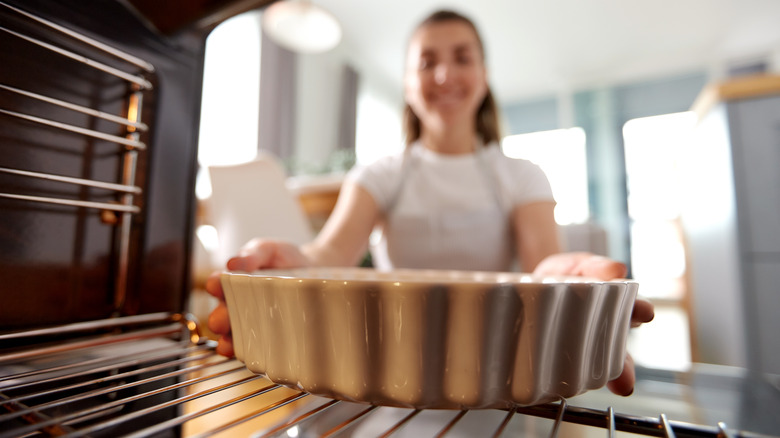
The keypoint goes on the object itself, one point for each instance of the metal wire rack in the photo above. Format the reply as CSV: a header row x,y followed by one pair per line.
x,y
116,201
154,375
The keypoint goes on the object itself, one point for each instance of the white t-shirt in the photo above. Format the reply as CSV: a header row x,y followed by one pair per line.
x,y
449,211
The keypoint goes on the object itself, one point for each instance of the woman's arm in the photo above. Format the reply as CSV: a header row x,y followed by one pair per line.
x,y
536,233
341,242
344,238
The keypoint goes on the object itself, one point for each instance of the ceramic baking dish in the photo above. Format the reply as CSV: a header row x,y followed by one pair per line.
x,y
430,339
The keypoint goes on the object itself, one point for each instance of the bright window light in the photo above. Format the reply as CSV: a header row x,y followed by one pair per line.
x,y
664,343
208,237
653,147
231,90
378,130
561,155
231,96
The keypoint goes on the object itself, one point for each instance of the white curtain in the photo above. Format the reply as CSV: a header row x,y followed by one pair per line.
x,y
276,127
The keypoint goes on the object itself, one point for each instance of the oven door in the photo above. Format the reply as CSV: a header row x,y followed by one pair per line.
x,y
153,375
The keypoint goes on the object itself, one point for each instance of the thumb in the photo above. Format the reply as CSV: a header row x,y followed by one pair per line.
x,y
602,268
256,254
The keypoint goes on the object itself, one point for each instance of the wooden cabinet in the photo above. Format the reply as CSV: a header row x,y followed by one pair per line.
x,y
317,195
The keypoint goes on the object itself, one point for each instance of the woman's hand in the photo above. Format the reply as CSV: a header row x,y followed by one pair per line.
x,y
593,266
257,254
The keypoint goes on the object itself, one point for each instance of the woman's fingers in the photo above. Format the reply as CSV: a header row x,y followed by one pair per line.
x,y
643,312
219,322
601,268
214,285
583,264
624,384
593,266
256,254
225,346
264,254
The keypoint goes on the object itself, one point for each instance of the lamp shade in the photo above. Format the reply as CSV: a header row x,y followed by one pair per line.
x,y
301,26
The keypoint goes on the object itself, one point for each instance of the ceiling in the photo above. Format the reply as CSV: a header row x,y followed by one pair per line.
x,y
537,48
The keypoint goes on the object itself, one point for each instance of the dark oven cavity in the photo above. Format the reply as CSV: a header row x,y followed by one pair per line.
x,y
99,107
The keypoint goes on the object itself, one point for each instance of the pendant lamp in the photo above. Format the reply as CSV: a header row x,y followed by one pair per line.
x,y
300,26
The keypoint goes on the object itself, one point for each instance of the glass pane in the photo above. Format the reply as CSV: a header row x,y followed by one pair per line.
x,y
568,177
231,96
378,127
653,146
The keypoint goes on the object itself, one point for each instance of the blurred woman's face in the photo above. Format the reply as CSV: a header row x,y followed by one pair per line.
x,y
445,80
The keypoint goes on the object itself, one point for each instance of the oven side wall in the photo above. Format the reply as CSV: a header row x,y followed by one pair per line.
x,y
60,263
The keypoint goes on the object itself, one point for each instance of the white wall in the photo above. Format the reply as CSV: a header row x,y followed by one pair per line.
x,y
319,81
229,109
317,104
379,110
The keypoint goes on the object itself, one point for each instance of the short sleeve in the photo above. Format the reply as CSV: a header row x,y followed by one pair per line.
x,y
522,181
381,179
534,183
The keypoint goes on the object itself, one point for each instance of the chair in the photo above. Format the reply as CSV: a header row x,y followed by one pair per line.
x,y
251,200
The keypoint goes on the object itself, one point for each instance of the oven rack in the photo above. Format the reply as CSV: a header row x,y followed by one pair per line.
x,y
131,120
85,379
127,130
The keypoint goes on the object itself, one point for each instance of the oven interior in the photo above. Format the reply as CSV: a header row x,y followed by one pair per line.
x,y
99,107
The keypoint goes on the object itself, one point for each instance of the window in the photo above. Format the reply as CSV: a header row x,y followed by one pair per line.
x,y
561,155
653,146
230,103
378,127
231,90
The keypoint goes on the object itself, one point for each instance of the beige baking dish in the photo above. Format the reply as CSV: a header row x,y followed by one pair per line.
x,y
430,339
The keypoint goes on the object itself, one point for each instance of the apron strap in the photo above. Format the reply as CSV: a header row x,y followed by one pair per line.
x,y
492,179
408,163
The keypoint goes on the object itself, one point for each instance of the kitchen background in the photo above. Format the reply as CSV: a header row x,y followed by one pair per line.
x,y
600,93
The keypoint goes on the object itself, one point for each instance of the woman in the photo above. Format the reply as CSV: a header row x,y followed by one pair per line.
x,y
451,200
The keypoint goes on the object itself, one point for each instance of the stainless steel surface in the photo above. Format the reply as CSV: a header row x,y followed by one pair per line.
x,y
665,426
82,109
71,202
78,181
134,109
723,431
80,327
559,417
84,387
85,39
131,140
77,129
138,80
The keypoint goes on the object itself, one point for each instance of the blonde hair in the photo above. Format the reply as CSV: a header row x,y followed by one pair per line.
x,y
487,117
